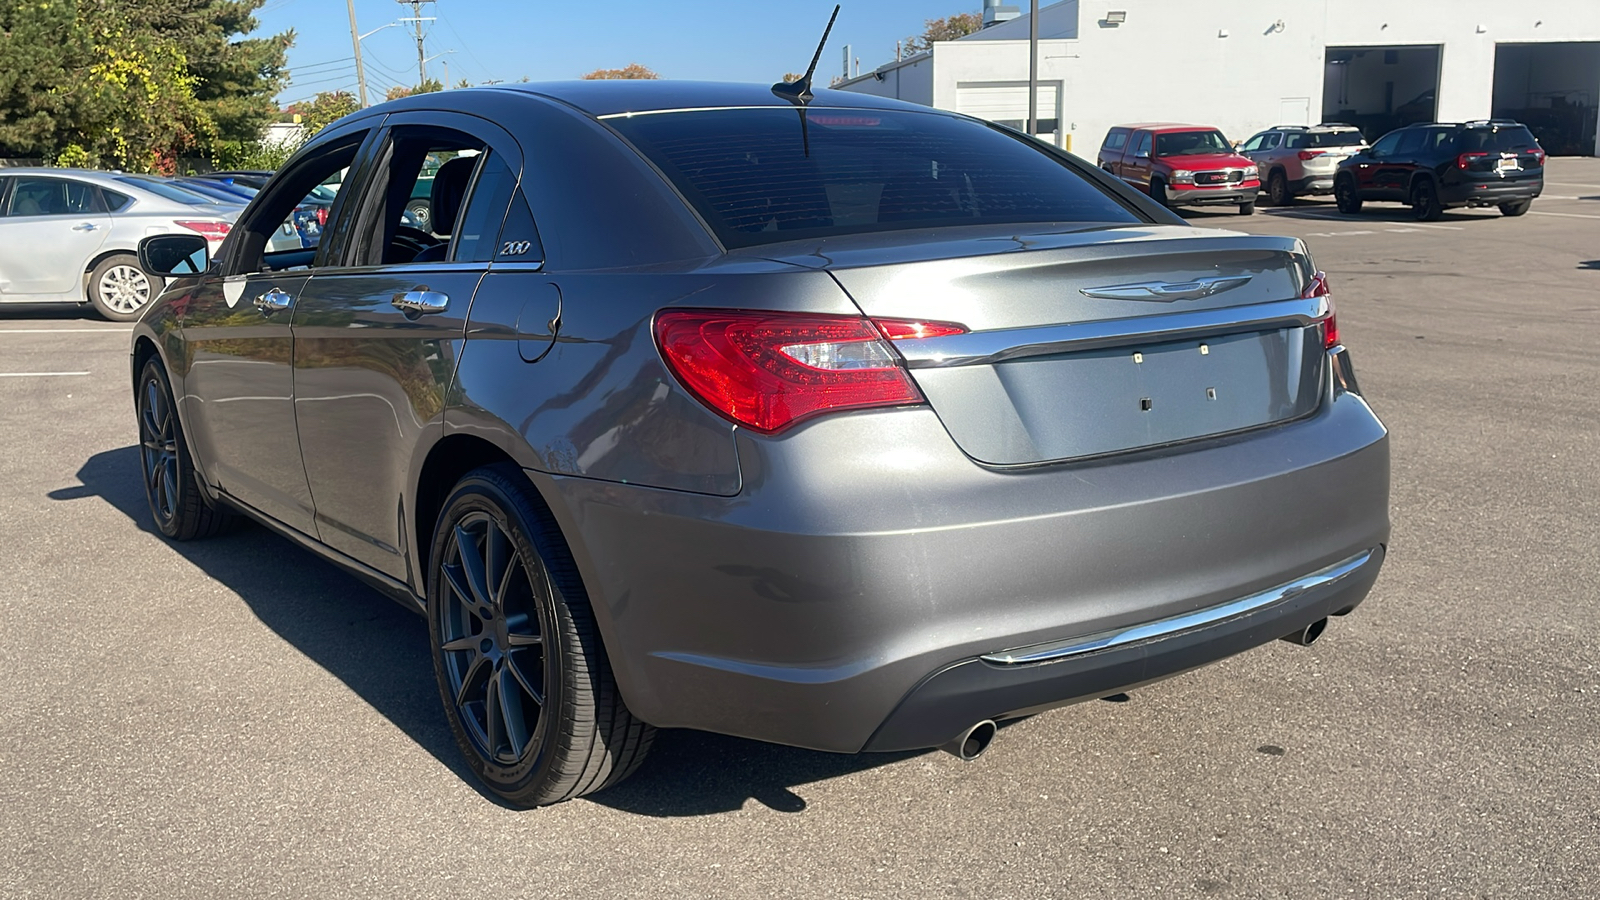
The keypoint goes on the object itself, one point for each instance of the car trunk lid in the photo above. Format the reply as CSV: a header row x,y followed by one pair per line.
x,y
1102,342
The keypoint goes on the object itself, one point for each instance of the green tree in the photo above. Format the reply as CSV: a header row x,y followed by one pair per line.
x,y
946,29
236,77
631,71
40,44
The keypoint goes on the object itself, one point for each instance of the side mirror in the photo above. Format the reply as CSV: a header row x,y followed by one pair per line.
x,y
1141,154
174,255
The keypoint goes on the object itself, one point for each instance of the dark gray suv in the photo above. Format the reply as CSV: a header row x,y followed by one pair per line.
x,y
854,425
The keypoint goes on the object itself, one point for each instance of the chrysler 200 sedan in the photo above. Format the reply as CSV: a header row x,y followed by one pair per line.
x,y
856,425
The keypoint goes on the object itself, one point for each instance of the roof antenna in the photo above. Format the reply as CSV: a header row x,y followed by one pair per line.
x,y
799,92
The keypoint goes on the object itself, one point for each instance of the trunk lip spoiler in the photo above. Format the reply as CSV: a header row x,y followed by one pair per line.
x,y
989,347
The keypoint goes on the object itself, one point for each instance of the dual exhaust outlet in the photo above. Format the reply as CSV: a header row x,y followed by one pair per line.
x,y
970,744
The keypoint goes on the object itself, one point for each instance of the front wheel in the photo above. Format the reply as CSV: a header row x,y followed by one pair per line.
x,y
1158,192
1425,202
1515,207
526,686
119,289
1247,208
1345,196
179,509
421,213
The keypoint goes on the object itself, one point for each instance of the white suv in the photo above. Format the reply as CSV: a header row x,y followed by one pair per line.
x,y
1297,159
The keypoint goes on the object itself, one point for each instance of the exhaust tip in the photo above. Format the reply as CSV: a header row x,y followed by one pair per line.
x,y
1308,635
972,742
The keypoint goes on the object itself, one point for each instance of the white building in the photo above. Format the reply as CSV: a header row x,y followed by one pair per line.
x,y
1244,65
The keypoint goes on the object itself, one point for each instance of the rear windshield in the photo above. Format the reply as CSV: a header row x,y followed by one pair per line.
x,y
1512,138
1302,139
759,177
1190,143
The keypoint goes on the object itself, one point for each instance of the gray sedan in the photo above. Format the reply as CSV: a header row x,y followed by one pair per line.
x,y
851,424
71,235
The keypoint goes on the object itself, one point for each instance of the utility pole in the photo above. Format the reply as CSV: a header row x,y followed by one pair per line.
x,y
361,71
447,74
1033,67
417,20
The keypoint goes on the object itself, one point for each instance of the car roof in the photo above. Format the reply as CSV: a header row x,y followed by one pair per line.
x,y
1160,127
609,97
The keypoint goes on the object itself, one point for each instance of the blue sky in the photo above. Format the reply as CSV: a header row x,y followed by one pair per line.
x,y
546,40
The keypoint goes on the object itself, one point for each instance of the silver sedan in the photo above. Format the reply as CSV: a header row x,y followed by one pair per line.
x,y
72,235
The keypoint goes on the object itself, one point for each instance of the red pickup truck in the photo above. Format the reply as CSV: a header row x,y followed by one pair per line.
x,y
1181,165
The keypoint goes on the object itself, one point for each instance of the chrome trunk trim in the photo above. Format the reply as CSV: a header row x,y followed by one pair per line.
x,y
989,347
1321,578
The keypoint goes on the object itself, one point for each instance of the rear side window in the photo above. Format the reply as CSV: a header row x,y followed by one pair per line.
x,y
166,190
479,223
1496,140
1116,139
759,176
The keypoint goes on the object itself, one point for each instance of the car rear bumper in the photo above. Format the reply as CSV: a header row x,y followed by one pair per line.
x,y
1490,192
1210,196
844,599
1313,184
1018,683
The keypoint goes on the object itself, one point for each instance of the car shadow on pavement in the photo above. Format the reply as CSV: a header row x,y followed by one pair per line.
x,y
369,642
1590,264
380,651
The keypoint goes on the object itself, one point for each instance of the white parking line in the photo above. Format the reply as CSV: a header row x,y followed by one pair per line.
x,y
39,374
1540,212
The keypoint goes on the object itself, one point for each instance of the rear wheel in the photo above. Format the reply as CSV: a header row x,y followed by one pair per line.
x,y
526,685
1515,207
1425,201
1277,189
177,505
119,289
1345,196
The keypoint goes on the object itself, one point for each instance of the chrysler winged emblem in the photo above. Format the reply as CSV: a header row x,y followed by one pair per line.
x,y
1168,291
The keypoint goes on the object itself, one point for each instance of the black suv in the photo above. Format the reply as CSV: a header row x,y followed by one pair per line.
x,y
1436,166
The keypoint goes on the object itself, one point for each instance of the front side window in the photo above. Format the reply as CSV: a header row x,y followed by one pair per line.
x,y
285,231
1386,144
760,176
1143,149
1253,144
33,196
1191,143
1411,141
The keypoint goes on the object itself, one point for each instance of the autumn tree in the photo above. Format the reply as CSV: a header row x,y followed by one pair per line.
x,y
322,110
432,85
632,71
946,29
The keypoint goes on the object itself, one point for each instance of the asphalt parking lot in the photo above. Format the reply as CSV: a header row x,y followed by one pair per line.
x,y
236,718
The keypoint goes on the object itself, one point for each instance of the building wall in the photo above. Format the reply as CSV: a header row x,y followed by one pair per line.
x,y
1241,65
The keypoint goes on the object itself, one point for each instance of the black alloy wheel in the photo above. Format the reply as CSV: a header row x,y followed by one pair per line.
x,y
1425,201
1277,189
180,510
1345,196
1515,207
526,686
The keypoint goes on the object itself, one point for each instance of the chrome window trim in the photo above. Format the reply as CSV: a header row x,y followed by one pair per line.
x,y
989,347
1324,577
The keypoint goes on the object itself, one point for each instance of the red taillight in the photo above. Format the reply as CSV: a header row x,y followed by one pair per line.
x,y
1465,159
1538,156
911,329
1330,323
1310,154
214,231
322,215
769,370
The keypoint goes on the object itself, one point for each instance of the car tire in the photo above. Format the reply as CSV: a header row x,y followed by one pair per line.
x,y
521,668
171,486
422,213
120,290
1515,207
1346,197
1158,192
1425,201
1278,189
1247,208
